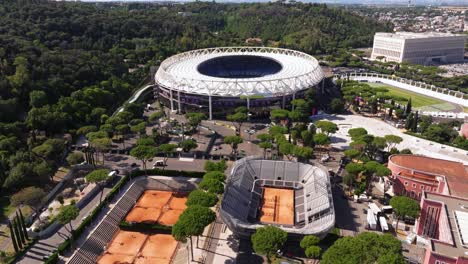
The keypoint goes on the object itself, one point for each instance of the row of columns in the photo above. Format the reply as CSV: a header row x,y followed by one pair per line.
x,y
210,105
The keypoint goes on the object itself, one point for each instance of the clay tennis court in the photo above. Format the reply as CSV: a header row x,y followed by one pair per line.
x,y
161,207
277,206
140,248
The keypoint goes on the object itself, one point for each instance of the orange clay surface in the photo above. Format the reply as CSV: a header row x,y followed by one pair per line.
x,y
278,206
115,258
161,246
140,248
127,243
158,207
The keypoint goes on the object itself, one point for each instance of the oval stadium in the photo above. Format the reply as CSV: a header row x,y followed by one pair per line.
x,y
216,80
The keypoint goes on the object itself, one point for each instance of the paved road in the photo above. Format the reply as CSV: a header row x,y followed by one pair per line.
x,y
380,128
45,247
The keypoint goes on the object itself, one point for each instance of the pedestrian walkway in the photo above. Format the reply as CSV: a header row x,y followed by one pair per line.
x,y
45,247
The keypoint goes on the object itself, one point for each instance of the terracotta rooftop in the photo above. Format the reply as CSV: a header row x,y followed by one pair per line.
x,y
455,173
430,179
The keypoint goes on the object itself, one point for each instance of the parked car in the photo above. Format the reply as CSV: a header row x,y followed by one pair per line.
x,y
158,163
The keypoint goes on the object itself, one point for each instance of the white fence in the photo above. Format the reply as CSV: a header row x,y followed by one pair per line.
x,y
410,85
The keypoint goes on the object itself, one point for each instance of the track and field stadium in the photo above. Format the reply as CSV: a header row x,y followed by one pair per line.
x,y
293,196
215,80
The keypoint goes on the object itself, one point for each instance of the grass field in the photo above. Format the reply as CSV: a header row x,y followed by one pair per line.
x,y
417,100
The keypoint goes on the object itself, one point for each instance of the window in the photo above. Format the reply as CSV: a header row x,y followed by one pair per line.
x,y
422,187
406,183
434,189
414,185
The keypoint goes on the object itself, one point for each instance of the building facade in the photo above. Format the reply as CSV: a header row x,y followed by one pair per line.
x,y
412,175
419,48
443,228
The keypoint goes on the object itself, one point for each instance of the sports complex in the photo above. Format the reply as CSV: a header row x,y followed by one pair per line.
x,y
293,196
215,80
148,200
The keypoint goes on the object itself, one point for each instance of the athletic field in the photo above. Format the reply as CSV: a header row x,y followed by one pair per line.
x,y
419,101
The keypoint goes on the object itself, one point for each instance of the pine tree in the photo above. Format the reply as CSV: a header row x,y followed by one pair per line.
x,y
414,127
408,106
21,228
23,224
13,238
18,233
409,121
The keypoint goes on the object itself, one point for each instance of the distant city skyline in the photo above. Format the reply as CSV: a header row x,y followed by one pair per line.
x,y
362,2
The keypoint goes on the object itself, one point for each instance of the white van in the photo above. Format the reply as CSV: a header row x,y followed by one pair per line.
x,y
158,163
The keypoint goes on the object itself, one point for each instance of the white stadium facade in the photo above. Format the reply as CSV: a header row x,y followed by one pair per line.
x,y
216,80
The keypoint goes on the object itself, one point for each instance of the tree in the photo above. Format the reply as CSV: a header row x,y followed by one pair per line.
x,y
286,149
268,240
279,114
146,141
215,166
352,153
321,139
265,145
167,150
75,158
234,141
102,145
139,128
66,215
337,106
354,168
192,222
408,106
98,177
392,141
30,196
404,206
122,130
188,145
365,248
199,197
355,133
326,127
409,121
303,153
195,119
217,175
143,153
156,116
239,118
211,185
37,98
309,244
349,180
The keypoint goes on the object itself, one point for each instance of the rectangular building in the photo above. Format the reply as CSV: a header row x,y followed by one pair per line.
x,y
443,227
419,48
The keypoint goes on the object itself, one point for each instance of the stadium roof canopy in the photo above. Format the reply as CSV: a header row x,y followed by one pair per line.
x,y
240,71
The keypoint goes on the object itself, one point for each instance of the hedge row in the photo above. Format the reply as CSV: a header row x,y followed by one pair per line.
x,y
174,173
145,227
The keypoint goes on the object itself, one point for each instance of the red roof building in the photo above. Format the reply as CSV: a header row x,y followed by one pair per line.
x,y
413,174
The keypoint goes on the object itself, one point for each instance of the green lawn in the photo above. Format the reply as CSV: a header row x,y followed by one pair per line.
x,y
417,100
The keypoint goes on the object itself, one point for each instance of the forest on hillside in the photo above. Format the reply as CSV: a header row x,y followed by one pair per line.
x,y
65,65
